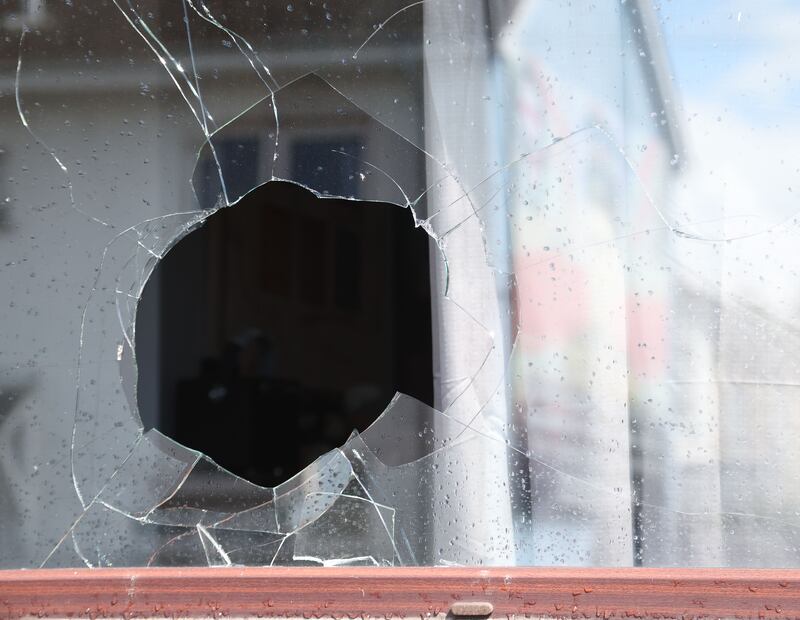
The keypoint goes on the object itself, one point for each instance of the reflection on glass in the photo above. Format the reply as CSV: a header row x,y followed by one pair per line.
x,y
569,233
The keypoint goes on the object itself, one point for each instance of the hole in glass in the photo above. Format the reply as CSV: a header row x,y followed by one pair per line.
x,y
281,325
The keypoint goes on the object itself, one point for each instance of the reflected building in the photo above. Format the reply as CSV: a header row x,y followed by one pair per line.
x,y
639,401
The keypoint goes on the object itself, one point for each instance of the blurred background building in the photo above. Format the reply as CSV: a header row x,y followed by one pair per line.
x,y
570,229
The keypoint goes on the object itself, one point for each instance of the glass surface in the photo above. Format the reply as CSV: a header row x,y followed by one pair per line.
x,y
609,196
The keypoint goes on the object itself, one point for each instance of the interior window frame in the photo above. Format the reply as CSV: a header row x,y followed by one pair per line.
x,y
400,592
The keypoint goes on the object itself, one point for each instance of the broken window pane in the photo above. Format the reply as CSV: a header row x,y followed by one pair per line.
x,y
558,240
283,324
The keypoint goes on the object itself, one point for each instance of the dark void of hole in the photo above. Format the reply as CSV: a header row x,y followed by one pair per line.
x,y
281,325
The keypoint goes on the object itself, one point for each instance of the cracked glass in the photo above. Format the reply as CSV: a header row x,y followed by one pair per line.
x,y
606,195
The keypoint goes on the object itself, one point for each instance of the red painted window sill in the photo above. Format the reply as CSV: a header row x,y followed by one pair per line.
x,y
399,592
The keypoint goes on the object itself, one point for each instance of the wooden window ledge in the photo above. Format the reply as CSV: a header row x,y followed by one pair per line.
x,y
399,592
